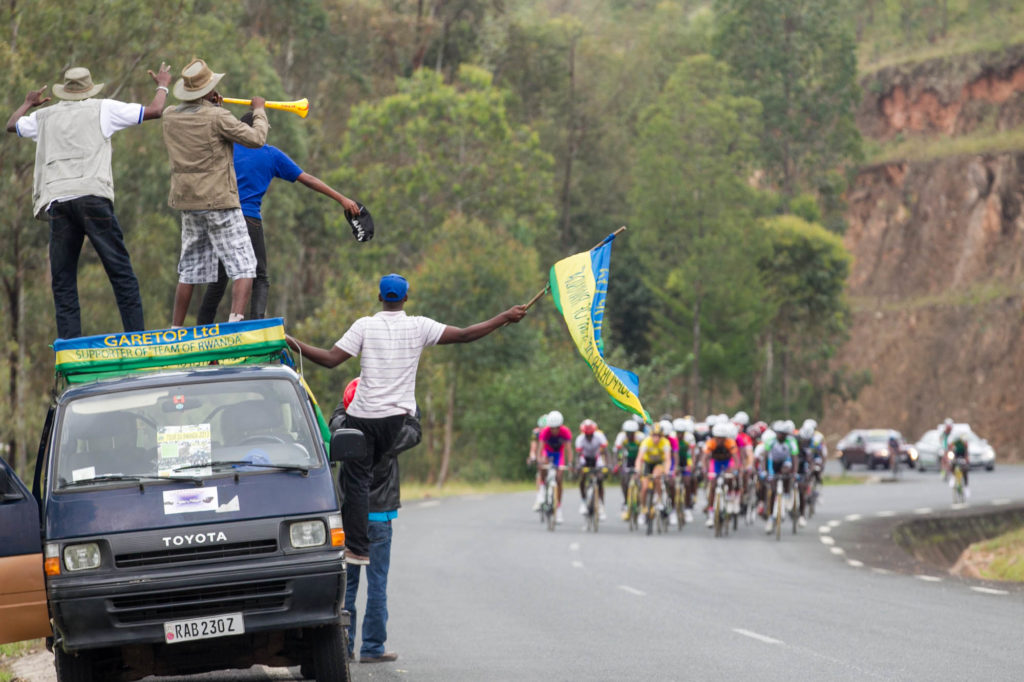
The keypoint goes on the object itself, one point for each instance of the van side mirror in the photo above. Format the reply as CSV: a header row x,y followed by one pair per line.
x,y
347,445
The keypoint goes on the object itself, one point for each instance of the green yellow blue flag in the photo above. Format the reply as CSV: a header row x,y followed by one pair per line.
x,y
579,285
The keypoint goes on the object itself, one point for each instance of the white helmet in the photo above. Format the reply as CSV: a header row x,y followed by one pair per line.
x,y
721,430
666,427
779,426
711,420
555,419
688,438
629,426
768,436
679,425
790,426
741,418
807,430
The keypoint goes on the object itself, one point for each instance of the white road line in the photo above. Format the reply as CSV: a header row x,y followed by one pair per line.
x,y
574,546
824,529
929,578
430,503
834,522
827,539
854,517
577,564
959,505
1000,502
882,571
855,563
754,635
632,590
988,590
837,550
923,510
885,514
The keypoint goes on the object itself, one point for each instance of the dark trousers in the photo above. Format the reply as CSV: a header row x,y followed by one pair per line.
x,y
70,223
375,619
260,286
357,474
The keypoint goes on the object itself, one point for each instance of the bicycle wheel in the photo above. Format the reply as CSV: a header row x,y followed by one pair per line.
x,y
592,505
680,504
551,504
794,511
633,504
716,511
778,513
649,508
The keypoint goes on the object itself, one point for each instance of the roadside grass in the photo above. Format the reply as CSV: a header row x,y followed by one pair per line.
x,y
15,650
844,479
425,491
928,147
1001,558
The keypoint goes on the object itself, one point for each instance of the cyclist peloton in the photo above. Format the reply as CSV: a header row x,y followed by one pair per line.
x,y
592,448
556,446
655,452
722,456
627,447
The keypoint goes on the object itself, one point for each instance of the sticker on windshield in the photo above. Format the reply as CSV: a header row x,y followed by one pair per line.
x,y
231,506
190,500
184,449
85,474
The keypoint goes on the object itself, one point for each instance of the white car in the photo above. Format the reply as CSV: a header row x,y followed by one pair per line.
x,y
928,448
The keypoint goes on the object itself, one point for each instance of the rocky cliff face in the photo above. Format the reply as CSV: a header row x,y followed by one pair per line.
x,y
937,284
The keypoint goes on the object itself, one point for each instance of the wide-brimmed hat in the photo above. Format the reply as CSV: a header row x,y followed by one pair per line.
x,y
197,80
77,85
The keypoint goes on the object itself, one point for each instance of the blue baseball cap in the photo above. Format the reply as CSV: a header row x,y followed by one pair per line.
x,y
393,287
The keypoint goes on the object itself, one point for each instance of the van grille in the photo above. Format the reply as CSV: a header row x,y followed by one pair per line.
x,y
202,553
162,606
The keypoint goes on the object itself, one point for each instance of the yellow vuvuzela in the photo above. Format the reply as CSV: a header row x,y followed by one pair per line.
x,y
299,106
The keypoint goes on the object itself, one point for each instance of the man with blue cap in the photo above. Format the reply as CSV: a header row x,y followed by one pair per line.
x,y
389,345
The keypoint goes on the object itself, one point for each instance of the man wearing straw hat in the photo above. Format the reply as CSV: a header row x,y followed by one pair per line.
x,y
73,187
200,136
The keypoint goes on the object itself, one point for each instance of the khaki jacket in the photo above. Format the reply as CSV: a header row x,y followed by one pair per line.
x,y
199,139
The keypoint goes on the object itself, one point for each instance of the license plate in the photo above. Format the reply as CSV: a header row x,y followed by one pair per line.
x,y
203,628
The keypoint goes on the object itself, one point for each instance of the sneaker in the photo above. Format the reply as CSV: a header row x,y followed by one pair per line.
x,y
642,520
659,507
583,508
558,516
356,559
688,515
625,515
386,657
801,522
601,515
952,482
769,526
673,518
710,522
537,504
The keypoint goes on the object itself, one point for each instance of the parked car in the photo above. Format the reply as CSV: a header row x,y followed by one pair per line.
x,y
980,453
871,447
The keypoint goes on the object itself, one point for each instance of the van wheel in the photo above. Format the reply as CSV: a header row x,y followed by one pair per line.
x,y
72,667
329,648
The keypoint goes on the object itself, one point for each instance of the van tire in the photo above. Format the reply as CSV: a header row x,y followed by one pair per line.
x,y
329,653
72,667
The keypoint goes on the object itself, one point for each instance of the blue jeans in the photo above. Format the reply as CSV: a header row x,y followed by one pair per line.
x,y
70,223
375,620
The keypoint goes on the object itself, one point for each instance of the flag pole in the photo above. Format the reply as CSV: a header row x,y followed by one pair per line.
x,y
543,291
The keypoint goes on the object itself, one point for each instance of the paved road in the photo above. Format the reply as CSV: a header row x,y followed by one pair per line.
x,y
481,591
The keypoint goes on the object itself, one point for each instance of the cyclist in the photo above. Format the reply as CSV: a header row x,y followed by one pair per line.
x,y
654,453
945,442
556,446
961,458
722,456
683,426
779,454
592,448
670,480
531,459
627,446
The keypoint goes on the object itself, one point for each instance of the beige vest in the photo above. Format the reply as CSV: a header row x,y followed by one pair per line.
x,y
72,156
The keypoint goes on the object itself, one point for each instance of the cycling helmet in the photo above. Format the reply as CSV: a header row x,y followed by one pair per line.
x,y
666,426
656,430
688,438
790,426
813,425
542,421
768,436
679,425
741,418
630,426
350,393
555,419
711,420
721,430
779,427
588,426
947,424
807,431
757,429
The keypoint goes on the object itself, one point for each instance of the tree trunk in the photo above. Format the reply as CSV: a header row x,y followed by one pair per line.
x,y
449,429
695,369
570,151
769,363
784,369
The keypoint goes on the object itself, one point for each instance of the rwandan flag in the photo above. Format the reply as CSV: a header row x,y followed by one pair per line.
x,y
579,285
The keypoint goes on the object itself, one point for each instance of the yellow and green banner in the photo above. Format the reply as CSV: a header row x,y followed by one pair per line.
x,y
579,285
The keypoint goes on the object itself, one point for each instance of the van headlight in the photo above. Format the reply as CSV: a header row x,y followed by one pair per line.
x,y
82,557
912,454
307,533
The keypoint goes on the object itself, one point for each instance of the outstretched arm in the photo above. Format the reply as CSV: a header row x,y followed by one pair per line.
x,y
482,329
323,357
33,99
155,109
315,183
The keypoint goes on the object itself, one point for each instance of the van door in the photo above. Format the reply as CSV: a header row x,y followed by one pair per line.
x,y
23,612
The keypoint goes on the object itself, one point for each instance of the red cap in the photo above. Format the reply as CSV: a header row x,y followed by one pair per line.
x,y
350,393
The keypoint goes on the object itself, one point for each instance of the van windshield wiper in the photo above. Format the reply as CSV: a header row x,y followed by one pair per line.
x,y
220,463
103,478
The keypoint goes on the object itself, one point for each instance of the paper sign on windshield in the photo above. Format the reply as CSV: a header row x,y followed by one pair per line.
x,y
184,446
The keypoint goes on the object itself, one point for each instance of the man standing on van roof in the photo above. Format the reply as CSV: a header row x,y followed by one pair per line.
x,y
73,187
199,137
389,345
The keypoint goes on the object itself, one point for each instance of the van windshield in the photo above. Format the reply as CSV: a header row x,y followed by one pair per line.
x,y
190,430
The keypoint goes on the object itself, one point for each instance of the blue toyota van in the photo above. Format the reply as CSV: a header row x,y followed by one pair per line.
x,y
187,520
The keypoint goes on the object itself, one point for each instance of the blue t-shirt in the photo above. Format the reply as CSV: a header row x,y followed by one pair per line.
x,y
255,169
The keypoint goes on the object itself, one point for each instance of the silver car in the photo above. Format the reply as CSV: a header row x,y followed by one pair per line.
x,y
929,448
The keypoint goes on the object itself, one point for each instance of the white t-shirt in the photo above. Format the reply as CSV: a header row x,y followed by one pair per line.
x,y
389,345
591,448
114,116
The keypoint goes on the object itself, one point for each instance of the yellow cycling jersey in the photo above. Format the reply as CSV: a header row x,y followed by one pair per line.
x,y
655,450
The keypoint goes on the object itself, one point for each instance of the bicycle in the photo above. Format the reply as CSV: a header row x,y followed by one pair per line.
x,y
959,496
549,506
680,506
648,508
592,497
662,513
748,498
794,507
815,489
632,500
719,513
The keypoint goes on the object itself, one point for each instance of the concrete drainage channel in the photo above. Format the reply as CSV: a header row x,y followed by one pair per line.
x,y
925,543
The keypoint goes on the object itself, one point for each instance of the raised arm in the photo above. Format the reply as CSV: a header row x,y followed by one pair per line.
x,y
315,183
482,329
33,99
323,357
155,109
254,136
